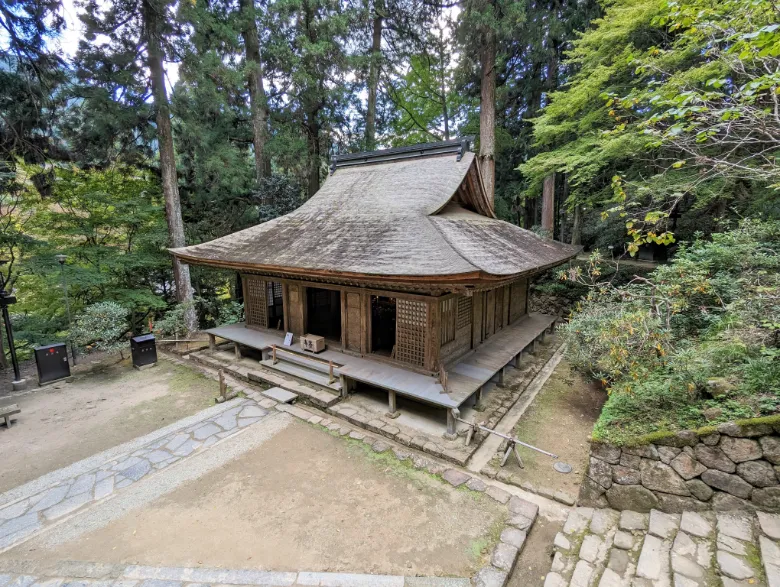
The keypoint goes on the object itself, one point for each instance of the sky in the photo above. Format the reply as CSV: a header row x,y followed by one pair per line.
x,y
68,42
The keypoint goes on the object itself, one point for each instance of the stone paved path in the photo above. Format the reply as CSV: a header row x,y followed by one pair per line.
x,y
606,548
141,576
44,504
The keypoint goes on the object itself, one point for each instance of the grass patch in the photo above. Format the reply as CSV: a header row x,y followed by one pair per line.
x,y
482,547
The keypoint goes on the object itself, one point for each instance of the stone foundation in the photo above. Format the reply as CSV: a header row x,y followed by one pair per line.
x,y
736,467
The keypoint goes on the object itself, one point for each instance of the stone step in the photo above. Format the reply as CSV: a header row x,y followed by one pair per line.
x,y
306,373
606,548
322,397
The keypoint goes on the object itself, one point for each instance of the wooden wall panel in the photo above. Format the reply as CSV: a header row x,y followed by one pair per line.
x,y
518,299
489,314
354,320
464,316
477,327
296,296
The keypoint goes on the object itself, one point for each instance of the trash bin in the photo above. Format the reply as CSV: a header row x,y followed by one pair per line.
x,y
52,362
144,350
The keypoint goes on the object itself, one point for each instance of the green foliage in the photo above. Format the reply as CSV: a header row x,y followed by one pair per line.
x,y
102,326
698,336
670,113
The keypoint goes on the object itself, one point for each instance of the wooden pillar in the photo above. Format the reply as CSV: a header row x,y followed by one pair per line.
x,y
535,346
343,303
212,342
344,386
501,377
237,350
452,431
518,359
392,405
285,308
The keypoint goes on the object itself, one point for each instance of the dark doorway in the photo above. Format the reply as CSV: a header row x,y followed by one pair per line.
x,y
323,312
275,305
382,325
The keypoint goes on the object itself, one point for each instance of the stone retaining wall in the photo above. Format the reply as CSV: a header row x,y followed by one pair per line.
x,y
736,467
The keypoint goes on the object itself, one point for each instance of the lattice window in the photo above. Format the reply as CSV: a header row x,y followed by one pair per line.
x,y
411,319
464,311
274,293
448,315
255,305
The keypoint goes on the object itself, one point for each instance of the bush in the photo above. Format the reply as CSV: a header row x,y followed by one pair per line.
x,y
695,342
102,326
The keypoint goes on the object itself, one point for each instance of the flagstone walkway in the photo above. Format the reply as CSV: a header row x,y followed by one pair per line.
x,y
142,576
606,548
37,505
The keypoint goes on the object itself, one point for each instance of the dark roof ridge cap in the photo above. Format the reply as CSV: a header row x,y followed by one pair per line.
x,y
457,146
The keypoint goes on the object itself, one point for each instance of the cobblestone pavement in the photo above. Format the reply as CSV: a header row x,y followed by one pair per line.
x,y
40,504
606,548
141,576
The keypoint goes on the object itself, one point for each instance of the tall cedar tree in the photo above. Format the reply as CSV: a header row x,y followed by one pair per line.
x,y
139,34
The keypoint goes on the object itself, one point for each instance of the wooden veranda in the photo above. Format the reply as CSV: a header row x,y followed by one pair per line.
x,y
340,372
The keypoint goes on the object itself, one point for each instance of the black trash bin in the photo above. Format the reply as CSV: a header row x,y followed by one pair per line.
x,y
144,350
52,362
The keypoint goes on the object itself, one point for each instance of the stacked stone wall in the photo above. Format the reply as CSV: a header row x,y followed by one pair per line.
x,y
735,467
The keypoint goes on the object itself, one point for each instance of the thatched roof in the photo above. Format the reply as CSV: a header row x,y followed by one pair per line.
x,y
424,216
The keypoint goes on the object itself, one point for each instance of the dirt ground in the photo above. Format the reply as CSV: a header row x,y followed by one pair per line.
x,y
535,559
559,421
304,500
69,421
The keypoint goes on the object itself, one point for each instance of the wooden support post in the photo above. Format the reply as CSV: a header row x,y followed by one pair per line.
x,y
212,342
273,354
502,377
480,393
344,386
535,346
518,359
392,405
331,378
544,335
472,432
237,350
452,418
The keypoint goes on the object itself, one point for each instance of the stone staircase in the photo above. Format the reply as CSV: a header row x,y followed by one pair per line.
x,y
607,548
255,371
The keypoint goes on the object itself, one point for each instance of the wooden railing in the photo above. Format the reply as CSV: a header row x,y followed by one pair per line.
x,y
331,365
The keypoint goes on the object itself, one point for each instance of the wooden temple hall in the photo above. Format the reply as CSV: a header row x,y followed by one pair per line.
x,y
399,262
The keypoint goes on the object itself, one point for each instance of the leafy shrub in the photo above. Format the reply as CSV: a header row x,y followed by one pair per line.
x,y
102,326
694,342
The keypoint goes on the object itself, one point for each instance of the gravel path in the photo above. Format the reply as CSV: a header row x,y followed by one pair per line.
x,y
37,505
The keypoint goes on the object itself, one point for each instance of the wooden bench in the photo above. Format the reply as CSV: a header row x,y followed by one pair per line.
x,y
8,411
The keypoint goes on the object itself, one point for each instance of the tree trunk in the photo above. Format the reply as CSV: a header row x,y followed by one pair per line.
x,y
257,98
548,205
563,195
313,138
373,75
154,16
3,358
576,229
443,85
487,115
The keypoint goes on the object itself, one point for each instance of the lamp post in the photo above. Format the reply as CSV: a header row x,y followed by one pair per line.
x,y
61,260
6,299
